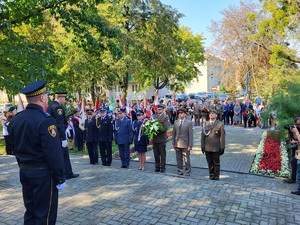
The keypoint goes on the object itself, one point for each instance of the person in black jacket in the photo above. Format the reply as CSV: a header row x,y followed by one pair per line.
x,y
105,136
37,147
90,137
56,110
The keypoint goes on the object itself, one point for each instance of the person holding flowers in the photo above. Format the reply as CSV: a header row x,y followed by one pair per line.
x,y
160,139
140,140
247,112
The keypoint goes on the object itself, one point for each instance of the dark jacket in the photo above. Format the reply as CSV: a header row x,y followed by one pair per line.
x,y
56,110
123,131
36,140
105,129
90,132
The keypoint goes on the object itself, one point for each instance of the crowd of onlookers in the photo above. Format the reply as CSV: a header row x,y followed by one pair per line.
x,y
237,112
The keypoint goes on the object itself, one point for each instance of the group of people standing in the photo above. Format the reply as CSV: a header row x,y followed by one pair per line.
x,y
228,111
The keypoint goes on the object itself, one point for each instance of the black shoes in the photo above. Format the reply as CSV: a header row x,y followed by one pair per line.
x,y
289,181
156,170
162,170
295,192
125,167
74,175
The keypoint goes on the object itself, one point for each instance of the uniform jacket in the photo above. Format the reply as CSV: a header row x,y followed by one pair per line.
x,y
33,133
90,132
219,108
105,129
213,136
182,138
161,136
139,138
197,109
56,110
123,131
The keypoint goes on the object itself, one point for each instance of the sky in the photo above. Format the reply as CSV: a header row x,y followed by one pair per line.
x,y
200,13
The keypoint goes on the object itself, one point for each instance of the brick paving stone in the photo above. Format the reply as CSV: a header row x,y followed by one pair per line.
x,y
110,195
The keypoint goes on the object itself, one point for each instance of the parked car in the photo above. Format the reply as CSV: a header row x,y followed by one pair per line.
x,y
196,98
5,106
181,97
191,95
222,97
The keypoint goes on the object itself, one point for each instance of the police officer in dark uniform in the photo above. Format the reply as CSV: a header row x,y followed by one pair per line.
x,y
90,137
55,109
105,137
37,147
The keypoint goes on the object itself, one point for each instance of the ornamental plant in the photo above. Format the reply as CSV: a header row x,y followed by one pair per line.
x,y
271,157
151,128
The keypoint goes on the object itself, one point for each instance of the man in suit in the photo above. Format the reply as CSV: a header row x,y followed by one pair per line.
x,y
213,144
105,137
246,108
160,140
183,141
123,137
196,112
56,110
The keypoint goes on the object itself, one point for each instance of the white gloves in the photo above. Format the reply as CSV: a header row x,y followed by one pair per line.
x,y
64,143
61,186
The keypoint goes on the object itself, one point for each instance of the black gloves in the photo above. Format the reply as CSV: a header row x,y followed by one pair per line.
x,y
203,150
221,151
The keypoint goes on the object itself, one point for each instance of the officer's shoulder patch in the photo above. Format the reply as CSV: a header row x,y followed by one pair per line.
x,y
59,111
52,130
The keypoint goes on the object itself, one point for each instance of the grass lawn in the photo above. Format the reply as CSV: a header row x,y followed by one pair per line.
x,y
2,147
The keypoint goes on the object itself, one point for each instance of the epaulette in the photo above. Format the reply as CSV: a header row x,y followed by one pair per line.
x,y
45,113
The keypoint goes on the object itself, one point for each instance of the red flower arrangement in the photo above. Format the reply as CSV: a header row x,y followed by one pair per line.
x,y
271,157
205,109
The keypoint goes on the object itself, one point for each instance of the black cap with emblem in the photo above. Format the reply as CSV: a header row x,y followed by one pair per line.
x,y
35,89
61,94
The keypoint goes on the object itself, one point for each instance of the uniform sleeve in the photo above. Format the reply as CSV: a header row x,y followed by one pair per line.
x,y
174,134
58,114
191,135
202,138
222,137
110,129
166,124
130,131
52,149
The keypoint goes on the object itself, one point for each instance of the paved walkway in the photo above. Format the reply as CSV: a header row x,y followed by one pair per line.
x,y
103,195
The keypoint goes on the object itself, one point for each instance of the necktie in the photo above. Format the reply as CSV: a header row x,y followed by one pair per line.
x,y
180,125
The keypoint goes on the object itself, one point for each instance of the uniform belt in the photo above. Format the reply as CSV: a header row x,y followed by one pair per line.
x,y
33,166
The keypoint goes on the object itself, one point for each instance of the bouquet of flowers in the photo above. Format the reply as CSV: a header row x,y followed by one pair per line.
x,y
248,112
205,110
151,128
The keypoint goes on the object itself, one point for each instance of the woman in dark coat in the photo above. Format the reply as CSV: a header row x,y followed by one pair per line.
x,y
140,141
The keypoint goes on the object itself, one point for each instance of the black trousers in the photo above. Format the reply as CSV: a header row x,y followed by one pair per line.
x,y
105,152
40,197
93,152
213,162
8,145
67,162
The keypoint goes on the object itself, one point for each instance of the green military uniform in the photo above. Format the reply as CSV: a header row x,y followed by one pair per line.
x,y
213,144
160,140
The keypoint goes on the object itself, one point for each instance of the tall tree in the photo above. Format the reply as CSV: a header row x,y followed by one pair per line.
x,y
242,54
